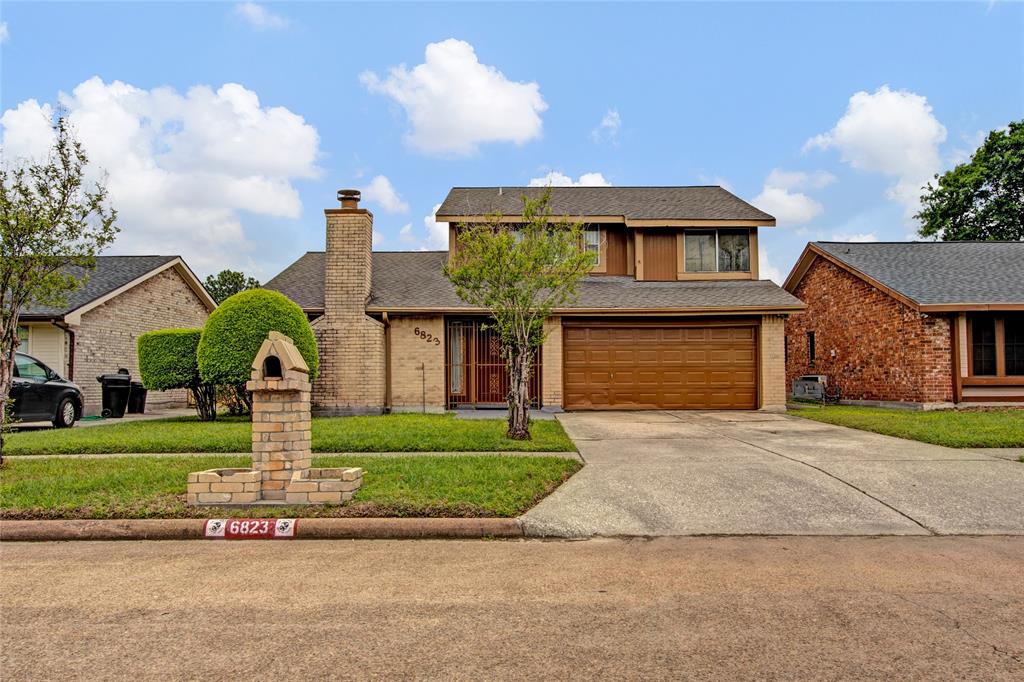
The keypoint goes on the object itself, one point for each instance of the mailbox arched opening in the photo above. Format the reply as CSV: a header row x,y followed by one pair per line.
x,y
272,367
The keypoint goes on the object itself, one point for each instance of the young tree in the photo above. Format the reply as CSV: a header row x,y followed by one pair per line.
x,y
227,283
520,270
52,225
982,199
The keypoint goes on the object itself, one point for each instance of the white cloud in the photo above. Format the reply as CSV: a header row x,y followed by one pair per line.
x,y
381,192
788,206
608,128
259,17
455,103
405,234
180,168
377,239
765,270
4,33
858,237
556,179
892,132
437,233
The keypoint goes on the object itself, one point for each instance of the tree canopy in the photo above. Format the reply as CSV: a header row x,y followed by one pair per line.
x,y
227,283
982,199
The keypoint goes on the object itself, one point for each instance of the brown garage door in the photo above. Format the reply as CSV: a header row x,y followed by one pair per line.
x,y
654,366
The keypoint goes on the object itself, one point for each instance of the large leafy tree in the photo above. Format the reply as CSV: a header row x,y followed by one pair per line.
x,y
520,270
227,283
982,199
52,225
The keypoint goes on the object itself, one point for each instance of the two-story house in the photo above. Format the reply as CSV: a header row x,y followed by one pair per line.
x,y
673,315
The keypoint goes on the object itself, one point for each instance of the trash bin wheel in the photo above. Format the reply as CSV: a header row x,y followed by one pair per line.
x,y
106,413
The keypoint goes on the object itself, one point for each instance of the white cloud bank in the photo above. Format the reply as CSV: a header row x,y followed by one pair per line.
x,y
180,168
259,17
779,198
556,179
856,237
454,103
892,132
381,192
4,33
608,128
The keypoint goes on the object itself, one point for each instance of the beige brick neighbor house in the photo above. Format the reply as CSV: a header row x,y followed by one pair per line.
x,y
97,330
673,315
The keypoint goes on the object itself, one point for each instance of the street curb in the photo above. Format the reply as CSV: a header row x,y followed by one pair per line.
x,y
309,529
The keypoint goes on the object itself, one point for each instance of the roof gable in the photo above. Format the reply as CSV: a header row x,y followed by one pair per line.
x,y
929,275
111,274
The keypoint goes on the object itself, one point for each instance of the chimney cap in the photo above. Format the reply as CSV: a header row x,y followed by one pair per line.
x,y
349,198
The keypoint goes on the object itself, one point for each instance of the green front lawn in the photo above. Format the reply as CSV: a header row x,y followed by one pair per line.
x,y
154,487
389,433
952,428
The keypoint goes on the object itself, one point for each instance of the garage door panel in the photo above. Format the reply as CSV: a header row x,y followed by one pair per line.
x,y
678,367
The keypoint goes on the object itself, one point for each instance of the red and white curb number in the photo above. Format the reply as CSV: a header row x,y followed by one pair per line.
x,y
250,529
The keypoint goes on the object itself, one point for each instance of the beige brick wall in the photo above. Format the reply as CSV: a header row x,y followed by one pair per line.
x,y
351,344
773,362
107,337
551,364
417,364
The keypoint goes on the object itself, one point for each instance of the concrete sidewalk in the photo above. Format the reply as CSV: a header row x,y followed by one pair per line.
x,y
694,473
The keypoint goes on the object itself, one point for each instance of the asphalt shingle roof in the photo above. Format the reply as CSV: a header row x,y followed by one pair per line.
x,y
111,273
940,273
414,280
635,203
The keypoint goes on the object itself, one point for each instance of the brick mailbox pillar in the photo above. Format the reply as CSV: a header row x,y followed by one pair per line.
x,y
281,445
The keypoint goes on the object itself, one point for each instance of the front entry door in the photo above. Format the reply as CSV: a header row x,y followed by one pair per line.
x,y
477,375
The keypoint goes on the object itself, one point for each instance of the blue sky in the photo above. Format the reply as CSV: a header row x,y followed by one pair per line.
x,y
226,128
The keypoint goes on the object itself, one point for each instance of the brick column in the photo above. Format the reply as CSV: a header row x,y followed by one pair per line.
x,y
281,433
773,363
551,365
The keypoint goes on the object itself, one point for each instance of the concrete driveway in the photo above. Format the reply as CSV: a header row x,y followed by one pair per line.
x,y
694,473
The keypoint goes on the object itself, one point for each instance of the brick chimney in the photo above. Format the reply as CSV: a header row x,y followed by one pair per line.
x,y
350,342
349,262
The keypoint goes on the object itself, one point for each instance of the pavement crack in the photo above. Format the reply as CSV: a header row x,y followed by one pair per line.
x,y
827,473
958,626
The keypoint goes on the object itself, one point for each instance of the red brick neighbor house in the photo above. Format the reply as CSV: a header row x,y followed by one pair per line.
x,y
924,323
672,316
97,330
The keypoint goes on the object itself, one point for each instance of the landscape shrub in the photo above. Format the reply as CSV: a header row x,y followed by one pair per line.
x,y
168,359
235,331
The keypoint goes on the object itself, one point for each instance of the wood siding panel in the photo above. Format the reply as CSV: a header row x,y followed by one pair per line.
x,y
660,367
660,256
616,251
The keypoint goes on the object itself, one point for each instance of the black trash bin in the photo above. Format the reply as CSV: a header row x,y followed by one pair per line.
x,y
116,388
137,398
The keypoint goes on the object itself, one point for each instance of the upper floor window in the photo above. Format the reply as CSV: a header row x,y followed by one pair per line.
x,y
592,243
22,339
717,250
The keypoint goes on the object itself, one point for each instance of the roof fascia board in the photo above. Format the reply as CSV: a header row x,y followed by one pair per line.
x,y
738,310
74,317
447,218
902,298
693,222
969,307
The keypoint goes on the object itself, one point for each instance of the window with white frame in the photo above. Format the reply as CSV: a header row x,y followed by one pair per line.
x,y
592,243
717,250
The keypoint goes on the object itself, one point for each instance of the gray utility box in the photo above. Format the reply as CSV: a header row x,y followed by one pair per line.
x,y
810,386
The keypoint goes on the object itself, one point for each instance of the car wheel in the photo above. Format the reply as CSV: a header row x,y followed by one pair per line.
x,y
65,414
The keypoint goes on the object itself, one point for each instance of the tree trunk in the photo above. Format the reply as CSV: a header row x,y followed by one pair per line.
x,y
6,379
519,396
206,401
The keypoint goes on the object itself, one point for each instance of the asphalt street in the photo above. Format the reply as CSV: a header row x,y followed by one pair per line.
x,y
700,607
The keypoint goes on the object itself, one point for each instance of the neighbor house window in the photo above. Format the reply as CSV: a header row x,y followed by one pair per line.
x,y
717,250
983,346
699,248
592,243
22,339
810,348
1013,343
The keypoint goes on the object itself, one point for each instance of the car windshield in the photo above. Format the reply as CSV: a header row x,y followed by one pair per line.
x,y
29,368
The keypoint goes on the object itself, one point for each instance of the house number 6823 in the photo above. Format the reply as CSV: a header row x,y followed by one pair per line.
x,y
427,336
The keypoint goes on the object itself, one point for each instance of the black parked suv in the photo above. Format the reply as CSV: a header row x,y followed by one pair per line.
x,y
40,394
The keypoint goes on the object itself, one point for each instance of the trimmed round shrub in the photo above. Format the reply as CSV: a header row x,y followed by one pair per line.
x,y
167,358
235,331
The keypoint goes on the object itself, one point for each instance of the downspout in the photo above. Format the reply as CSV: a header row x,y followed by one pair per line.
x,y
71,346
387,362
